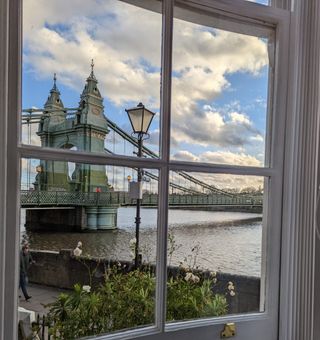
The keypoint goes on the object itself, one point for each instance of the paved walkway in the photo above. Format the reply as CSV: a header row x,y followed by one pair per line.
x,y
41,296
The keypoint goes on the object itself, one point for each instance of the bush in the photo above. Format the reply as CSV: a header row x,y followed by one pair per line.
x,y
127,300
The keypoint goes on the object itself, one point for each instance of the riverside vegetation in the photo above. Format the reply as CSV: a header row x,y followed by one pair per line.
x,y
127,299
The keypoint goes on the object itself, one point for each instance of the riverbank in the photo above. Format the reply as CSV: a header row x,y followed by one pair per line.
x,y
62,270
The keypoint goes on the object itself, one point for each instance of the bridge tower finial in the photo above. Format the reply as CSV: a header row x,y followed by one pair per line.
x,y
92,76
54,82
54,100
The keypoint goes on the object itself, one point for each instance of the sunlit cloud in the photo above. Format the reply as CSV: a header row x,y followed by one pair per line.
x,y
213,128
218,157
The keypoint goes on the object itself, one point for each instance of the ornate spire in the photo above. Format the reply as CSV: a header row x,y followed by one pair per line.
x,y
54,82
54,96
55,88
92,76
91,89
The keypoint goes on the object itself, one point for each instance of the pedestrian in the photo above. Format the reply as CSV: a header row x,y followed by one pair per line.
x,y
25,262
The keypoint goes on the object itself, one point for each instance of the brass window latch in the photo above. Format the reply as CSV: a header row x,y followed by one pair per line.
x,y
229,330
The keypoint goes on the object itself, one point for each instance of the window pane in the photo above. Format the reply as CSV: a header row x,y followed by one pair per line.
x,y
220,90
215,245
79,221
262,2
72,102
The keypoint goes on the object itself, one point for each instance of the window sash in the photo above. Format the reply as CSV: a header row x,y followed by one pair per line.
x,y
164,165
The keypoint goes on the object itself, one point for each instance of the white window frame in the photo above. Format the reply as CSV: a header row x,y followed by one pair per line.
x,y
300,175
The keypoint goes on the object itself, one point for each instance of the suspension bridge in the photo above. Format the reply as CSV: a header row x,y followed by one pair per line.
x,y
87,196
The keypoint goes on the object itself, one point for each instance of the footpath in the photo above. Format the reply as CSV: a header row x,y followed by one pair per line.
x,y
41,296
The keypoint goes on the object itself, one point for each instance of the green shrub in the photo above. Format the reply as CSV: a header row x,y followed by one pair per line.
x,y
127,300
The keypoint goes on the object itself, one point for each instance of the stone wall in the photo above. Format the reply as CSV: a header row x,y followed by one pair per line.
x,y
63,270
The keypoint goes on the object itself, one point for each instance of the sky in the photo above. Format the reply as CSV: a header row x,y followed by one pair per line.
x,y
219,79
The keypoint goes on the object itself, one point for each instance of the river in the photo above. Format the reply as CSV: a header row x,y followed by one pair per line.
x,y
225,241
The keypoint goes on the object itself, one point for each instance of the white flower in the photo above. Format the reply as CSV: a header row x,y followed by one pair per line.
x,y
232,293
214,280
213,274
86,289
188,277
132,254
195,278
133,241
192,278
230,285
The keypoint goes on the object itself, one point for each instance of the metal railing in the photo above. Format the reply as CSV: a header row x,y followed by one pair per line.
x,y
31,198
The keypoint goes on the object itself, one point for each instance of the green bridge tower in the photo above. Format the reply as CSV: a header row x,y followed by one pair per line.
x,y
83,130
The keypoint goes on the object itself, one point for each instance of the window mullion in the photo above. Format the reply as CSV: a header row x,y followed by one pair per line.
x,y
166,61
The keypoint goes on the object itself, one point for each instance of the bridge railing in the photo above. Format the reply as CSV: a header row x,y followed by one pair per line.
x,y
65,198
213,199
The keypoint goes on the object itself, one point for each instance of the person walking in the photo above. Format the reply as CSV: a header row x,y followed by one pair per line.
x,y
25,262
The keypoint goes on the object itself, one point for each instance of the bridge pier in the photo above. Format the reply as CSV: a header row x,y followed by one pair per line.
x,y
71,219
106,218
101,218
91,218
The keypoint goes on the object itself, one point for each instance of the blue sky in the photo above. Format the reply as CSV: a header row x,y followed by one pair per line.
x,y
219,82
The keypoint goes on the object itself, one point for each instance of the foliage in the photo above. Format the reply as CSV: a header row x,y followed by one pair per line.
x,y
127,300
190,299
172,246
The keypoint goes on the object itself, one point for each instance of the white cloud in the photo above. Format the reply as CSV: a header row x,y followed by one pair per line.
x,y
218,157
223,181
240,118
211,128
257,138
202,60
116,45
220,181
185,155
228,157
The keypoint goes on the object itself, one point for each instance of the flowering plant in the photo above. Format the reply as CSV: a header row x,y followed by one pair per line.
x,y
127,299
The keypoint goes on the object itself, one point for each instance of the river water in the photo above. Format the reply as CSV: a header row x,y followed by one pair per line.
x,y
225,241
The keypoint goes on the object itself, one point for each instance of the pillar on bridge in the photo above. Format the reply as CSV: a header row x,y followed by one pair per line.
x,y
106,218
101,218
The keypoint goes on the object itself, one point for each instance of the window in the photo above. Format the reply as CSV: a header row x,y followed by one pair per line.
x,y
222,78
223,112
271,169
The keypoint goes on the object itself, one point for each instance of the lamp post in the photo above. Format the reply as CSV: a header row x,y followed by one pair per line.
x,y
140,119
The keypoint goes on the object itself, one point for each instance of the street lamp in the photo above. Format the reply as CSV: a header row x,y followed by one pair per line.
x,y
140,119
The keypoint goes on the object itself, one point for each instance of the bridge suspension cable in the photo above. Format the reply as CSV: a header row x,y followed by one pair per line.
x,y
155,177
